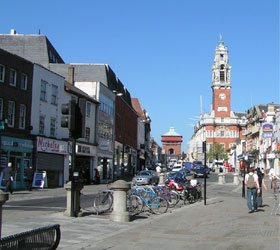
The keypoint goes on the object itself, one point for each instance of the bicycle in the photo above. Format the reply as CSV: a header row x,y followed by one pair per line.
x,y
156,204
103,202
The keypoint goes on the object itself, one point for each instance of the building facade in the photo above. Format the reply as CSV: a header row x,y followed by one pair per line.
x,y
221,126
171,144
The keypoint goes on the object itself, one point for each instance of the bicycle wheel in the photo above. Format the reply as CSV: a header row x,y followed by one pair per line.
x,y
158,205
134,204
103,202
173,199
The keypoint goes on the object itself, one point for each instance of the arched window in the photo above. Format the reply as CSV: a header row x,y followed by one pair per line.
x,y
171,151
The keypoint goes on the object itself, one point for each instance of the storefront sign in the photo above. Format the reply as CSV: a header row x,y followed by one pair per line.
x,y
267,130
82,149
16,144
47,145
104,145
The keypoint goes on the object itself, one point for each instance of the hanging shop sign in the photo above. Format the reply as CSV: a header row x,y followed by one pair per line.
x,y
267,130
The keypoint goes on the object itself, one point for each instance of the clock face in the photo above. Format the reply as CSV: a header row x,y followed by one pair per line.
x,y
222,96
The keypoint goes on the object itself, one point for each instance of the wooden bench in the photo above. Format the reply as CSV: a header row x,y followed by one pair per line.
x,y
41,238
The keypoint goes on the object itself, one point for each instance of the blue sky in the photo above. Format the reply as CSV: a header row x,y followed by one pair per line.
x,y
163,50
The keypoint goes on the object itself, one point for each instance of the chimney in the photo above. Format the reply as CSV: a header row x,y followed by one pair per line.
x,y
71,75
13,32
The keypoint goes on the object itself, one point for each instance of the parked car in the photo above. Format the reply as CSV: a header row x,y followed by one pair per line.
x,y
177,167
199,171
145,177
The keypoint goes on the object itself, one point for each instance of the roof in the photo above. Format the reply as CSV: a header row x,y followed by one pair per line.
x,y
171,132
137,107
34,48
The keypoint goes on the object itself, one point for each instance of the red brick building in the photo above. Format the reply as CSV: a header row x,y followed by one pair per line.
x,y
171,144
221,125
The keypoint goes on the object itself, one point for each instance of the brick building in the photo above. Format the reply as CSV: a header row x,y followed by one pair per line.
x,y
221,125
171,144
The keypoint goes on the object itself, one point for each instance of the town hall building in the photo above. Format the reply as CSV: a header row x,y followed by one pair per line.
x,y
221,125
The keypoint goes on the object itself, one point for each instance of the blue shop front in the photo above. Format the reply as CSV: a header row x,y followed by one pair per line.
x,y
19,152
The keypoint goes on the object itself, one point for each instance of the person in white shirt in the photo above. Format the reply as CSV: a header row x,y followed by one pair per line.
x,y
253,187
158,169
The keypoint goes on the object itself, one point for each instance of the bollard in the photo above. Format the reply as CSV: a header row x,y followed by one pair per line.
x,y
77,186
221,178
3,198
120,213
236,179
224,178
162,179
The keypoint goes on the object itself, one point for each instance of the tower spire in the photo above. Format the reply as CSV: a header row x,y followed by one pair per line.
x,y
221,39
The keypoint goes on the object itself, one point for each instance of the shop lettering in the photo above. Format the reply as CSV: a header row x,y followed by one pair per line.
x,y
45,145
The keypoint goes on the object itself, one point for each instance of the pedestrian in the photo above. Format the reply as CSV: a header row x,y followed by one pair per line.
x,y
97,176
158,169
273,179
8,178
261,184
253,188
29,177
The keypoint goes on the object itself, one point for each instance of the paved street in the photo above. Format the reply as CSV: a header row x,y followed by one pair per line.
x,y
224,223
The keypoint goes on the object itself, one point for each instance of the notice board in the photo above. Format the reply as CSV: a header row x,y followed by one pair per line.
x,y
40,179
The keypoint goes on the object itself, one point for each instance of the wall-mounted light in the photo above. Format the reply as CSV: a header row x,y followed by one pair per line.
x,y
117,94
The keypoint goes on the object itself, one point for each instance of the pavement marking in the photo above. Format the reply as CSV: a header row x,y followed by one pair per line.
x,y
11,206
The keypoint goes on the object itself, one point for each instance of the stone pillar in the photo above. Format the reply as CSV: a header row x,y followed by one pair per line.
x,y
3,198
221,177
77,187
224,178
120,213
162,179
236,178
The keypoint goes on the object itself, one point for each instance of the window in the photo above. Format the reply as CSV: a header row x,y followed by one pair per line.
x,y
222,119
22,116
13,78
88,106
42,125
54,95
222,76
43,94
1,108
52,127
222,133
11,113
221,57
87,135
2,73
23,82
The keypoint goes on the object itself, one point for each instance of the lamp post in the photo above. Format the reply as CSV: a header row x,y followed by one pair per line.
x,y
243,182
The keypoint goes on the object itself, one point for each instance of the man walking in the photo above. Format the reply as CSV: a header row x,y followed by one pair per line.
x,y
8,178
29,177
252,183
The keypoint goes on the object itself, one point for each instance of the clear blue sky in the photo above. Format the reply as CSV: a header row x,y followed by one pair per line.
x,y
163,50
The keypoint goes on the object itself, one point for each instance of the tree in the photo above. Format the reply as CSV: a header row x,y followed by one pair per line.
x,y
216,152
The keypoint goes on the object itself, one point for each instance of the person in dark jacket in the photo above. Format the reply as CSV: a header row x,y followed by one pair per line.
x,y
29,177
8,178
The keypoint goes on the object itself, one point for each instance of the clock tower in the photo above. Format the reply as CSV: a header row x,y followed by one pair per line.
x,y
221,84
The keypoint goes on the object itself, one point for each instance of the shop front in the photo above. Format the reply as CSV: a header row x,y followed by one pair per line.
x,y
105,161
19,152
52,157
86,162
